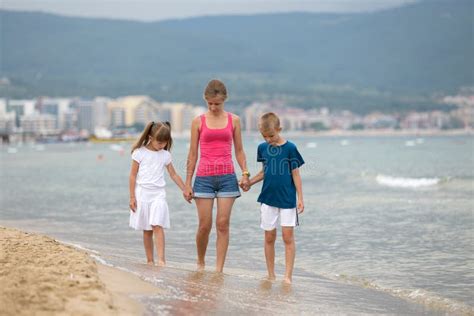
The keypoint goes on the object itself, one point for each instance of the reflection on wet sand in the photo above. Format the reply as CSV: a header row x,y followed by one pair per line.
x,y
201,291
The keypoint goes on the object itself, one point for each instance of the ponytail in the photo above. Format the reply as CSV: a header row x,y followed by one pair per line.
x,y
143,140
170,141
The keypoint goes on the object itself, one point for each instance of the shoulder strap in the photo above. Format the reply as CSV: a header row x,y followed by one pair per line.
x,y
229,118
203,121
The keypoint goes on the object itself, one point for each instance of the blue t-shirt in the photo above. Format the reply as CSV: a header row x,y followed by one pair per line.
x,y
278,188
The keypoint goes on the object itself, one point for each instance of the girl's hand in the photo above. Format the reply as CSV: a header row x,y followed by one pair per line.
x,y
300,206
133,204
188,193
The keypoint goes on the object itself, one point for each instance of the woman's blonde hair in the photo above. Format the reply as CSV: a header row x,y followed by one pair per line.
x,y
215,88
269,121
161,131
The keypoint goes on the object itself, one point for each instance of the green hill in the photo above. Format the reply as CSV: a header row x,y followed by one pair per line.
x,y
390,60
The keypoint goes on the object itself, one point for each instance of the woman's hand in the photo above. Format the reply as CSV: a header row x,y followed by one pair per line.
x,y
188,193
133,204
244,183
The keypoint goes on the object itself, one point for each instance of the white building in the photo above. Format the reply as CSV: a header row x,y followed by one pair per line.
x,y
57,107
117,117
39,124
7,119
252,115
20,108
182,115
101,112
85,115
126,111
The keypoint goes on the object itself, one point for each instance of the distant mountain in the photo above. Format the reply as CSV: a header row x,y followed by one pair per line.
x,y
391,60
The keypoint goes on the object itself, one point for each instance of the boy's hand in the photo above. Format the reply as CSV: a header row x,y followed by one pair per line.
x,y
133,204
244,184
300,206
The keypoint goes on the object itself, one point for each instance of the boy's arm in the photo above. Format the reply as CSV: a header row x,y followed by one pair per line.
x,y
131,182
257,178
295,173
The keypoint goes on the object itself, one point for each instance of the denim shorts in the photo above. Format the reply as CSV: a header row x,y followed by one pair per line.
x,y
210,187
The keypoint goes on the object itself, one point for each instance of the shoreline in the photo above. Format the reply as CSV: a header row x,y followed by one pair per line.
x,y
380,133
324,134
40,275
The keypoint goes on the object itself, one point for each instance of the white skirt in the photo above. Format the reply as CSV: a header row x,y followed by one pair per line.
x,y
152,209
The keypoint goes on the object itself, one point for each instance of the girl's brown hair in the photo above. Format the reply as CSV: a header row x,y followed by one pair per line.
x,y
215,88
161,131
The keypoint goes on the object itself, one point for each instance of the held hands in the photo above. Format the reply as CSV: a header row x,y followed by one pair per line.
x,y
244,183
133,204
188,193
300,206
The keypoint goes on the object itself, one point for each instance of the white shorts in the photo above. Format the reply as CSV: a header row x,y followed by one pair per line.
x,y
269,216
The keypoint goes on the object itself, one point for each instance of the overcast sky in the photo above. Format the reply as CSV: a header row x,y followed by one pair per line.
x,y
152,10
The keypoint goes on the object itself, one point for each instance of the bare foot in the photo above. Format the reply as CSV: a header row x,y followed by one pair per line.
x,y
271,277
287,280
201,266
161,263
150,263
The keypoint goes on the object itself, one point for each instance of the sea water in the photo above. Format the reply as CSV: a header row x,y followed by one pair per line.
x,y
387,227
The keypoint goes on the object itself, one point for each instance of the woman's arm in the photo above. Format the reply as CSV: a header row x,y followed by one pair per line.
x,y
192,158
239,151
131,183
295,173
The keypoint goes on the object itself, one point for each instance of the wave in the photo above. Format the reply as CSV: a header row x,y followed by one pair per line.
x,y
79,247
399,182
419,296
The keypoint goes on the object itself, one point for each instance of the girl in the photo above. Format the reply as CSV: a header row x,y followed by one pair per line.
x,y
149,210
214,132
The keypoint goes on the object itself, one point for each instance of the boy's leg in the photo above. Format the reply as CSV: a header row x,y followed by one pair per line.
x,y
289,240
268,220
224,209
270,237
204,209
160,244
148,243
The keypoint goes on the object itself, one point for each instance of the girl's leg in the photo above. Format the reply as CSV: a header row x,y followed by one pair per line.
x,y
160,244
224,209
148,243
289,240
204,209
270,237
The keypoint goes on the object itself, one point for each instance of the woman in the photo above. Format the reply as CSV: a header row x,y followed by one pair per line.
x,y
214,132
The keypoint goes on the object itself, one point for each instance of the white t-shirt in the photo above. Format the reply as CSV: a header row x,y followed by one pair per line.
x,y
151,172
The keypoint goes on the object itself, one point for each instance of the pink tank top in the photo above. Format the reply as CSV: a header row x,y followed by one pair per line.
x,y
216,149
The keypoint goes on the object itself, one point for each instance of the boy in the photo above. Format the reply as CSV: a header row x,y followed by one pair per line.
x,y
281,185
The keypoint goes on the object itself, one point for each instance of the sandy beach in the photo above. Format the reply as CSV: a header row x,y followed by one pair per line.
x,y
41,276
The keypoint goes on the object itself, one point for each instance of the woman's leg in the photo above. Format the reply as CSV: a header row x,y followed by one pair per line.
x,y
270,237
148,243
224,209
160,244
204,209
289,240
